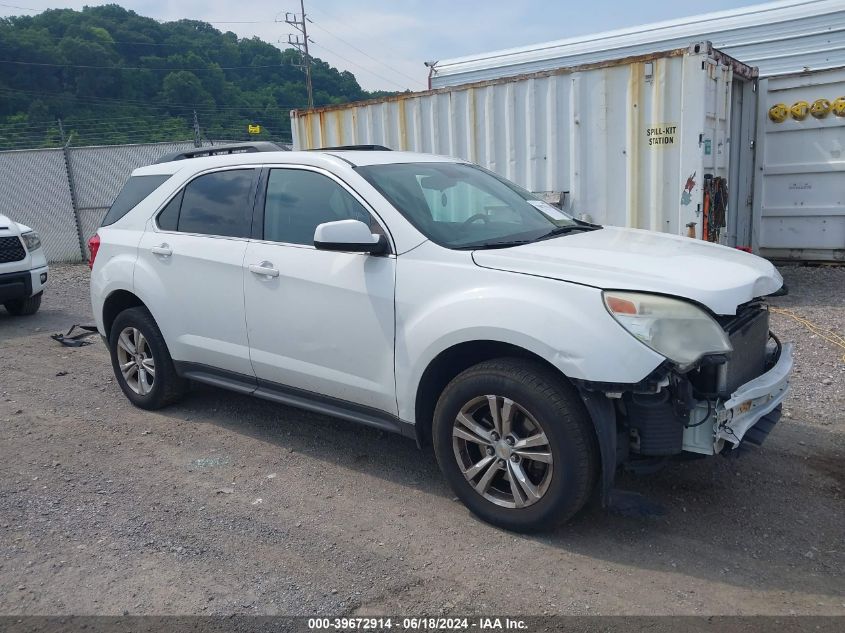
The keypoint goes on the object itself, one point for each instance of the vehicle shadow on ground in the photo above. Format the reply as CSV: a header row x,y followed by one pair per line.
x,y
749,522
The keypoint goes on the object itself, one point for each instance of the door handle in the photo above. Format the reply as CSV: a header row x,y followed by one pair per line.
x,y
264,268
161,249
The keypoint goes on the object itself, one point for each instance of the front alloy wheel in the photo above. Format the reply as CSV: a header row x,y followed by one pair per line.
x,y
516,444
136,360
502,451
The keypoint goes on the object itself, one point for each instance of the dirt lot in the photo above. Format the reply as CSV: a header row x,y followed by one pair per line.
x,y
226,504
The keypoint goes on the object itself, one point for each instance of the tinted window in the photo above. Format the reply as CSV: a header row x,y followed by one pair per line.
x,y
168,219
136,189
218,204
299,200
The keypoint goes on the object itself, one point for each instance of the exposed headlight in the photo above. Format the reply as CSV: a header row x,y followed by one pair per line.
x,y
678,330
31,240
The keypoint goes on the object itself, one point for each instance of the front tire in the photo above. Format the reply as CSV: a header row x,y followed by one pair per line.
x,y
24,307
516,444
141,361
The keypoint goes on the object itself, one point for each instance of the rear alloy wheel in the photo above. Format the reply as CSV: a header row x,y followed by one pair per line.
x,y
136,361
516,444
141,361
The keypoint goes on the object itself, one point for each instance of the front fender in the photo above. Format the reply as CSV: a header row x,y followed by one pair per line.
x,y
439,305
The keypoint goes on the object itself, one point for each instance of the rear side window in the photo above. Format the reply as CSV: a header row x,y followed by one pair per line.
x,y
216,204
134,191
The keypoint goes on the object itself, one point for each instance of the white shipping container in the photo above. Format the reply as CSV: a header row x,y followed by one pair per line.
x,y
625,142
799,201
781,37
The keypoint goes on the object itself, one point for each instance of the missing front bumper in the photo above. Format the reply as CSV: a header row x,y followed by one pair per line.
x,y
753,402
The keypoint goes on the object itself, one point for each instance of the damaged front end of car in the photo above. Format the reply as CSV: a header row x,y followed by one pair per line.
x,y
721,387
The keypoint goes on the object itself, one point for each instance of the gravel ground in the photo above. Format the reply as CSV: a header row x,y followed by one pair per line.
x,y
225,504
818,295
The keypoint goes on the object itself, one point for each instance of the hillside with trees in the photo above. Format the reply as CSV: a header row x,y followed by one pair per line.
x,y
113,76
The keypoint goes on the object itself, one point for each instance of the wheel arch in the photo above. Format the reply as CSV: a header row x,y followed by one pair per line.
x,y
455,359
452,361
117,302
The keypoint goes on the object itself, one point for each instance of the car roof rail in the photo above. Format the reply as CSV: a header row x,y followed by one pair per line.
x,y
222,150
354,148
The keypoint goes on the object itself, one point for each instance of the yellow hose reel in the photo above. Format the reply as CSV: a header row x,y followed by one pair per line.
x,y
778,112
820,108
800,110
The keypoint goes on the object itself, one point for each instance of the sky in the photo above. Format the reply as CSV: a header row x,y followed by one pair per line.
x,y
384,43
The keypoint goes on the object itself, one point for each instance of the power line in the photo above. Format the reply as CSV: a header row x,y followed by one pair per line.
x,y
62,37
23,128
364,68
300,24
297,43
110,125
140,102
12,6
163,114
378,61
347,24
23,63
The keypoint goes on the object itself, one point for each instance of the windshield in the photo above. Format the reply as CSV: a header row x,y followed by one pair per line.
x,y
458,205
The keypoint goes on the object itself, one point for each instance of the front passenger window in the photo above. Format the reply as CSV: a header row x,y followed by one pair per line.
x,y
299,200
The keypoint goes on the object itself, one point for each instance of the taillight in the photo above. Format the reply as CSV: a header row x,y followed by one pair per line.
x,y
93,247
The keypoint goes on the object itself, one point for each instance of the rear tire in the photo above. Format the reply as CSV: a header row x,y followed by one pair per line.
x,y
141,361
531,465
24,307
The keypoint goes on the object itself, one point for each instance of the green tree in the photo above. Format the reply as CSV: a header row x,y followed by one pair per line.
x,y
184,88
114,76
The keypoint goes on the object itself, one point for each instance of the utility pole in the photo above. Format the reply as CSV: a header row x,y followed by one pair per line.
x,y
301,44
197,133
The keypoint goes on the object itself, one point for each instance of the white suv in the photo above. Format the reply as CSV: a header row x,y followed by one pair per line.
x,y
425,295
23,268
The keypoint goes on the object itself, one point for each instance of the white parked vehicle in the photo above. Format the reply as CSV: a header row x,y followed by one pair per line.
x,y
23,268
428,296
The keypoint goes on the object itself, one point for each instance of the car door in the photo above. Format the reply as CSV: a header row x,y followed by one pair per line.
x,y
190,266
320,323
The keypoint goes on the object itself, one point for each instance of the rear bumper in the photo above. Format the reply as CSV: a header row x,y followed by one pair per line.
x,y
756,400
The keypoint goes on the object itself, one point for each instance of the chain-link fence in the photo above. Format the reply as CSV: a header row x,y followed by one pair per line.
x,y
35,190
64,193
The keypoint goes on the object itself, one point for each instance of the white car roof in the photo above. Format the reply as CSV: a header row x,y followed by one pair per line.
x,y
314,158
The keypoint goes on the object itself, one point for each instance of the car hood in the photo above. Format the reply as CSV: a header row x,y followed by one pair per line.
x,y
718,277
7,225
